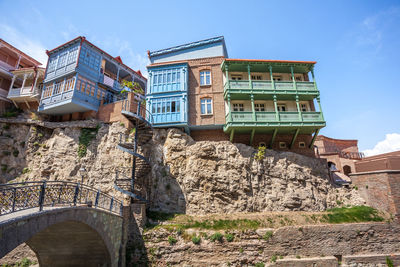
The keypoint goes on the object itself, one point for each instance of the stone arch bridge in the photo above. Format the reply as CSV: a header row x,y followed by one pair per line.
x,y
65,224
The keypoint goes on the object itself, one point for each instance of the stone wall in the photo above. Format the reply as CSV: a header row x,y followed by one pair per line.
x,y
380,189
295,244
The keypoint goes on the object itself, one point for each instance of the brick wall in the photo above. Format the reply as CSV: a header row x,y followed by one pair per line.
x,y
215,91
380,189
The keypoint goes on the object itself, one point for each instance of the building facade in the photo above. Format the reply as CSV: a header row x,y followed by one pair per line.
x,y
17,70
272,103
80,77
185,86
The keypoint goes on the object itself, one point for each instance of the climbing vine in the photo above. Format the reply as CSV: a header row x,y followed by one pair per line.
x,y
260,155
87,135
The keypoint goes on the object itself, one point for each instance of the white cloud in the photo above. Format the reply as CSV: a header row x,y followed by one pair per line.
x,y
390,144
31,47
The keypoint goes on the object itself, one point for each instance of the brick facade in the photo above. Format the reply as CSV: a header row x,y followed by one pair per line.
x,y
215,91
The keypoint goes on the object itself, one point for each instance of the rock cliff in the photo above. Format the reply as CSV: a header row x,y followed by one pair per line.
x,y
221,177
186,176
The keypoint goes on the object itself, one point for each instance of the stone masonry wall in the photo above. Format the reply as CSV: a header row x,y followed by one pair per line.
x,y
251,246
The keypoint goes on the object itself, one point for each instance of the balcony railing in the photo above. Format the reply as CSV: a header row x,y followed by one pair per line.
x,y
6,66
246,116
267,85
23,92
3,93
110,82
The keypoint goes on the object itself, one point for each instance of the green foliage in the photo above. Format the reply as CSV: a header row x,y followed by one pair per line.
x,y
122,124
216,237
298,257
267,235
274,258
13,112
171,240
40,135
134,86
355,187
6,126
159,216
6,153
36,144
179,231
196,240
260,155
389,262
338,202
22,143
229,237
352,214
280,257
15,153
25,170
366,186
224,224
87,135
241,250
259,264
4,167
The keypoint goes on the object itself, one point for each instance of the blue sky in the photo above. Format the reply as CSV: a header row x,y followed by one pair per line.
x,y
356,45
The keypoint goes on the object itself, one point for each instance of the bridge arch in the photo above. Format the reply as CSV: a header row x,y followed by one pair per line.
x,y
73,236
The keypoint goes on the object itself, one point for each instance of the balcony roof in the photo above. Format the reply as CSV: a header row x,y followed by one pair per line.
x,y
262,65
19,52
117,59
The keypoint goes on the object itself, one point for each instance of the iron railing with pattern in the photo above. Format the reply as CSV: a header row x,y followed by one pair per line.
x,y
21,196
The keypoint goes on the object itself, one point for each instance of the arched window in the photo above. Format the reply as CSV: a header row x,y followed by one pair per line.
x,y
346,169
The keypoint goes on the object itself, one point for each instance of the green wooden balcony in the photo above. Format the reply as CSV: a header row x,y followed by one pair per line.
x,y
247,120
268,88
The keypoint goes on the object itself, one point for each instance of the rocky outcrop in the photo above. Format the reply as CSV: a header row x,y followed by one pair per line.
x,y
221,177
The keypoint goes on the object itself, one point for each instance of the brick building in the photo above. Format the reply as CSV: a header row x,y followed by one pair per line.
x,y
20,77
340,154
378,181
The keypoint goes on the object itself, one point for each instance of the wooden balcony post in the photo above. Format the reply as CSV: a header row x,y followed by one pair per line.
x,y
229,108
320,109
272,77
12,82
249,73
23,82
298,108
227,75
276,109
313,78
293,79
253,107
36,79
313,139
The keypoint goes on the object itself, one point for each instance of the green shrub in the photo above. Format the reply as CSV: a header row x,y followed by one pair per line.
x,y
274,258
179,231
171,240
25,170
87,135
6,126
259,264
25,262
4,167
36,144
298,257
13,112
229,237
352,214
389,262
241,250
40,135
216,237
196,240
267,235
22,143
15,153
260,155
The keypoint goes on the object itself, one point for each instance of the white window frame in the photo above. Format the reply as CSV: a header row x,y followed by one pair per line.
x,y
240,107
302,144
259,107
279,105
282,144
236,77
206,101
305,106
203,77
255,76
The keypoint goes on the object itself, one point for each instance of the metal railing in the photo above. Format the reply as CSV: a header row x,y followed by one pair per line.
x,y
267,85
137,107
27,195
267,116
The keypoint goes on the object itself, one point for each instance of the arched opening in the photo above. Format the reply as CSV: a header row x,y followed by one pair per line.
x,y
70,243
332,166
346,169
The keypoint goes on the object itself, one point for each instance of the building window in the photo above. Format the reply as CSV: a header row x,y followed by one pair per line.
x,y
282,107
262,144
282,145
206,106
236,77
238,107
277,78
304,107
302,144
298,78
259,107
256,77
205,77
